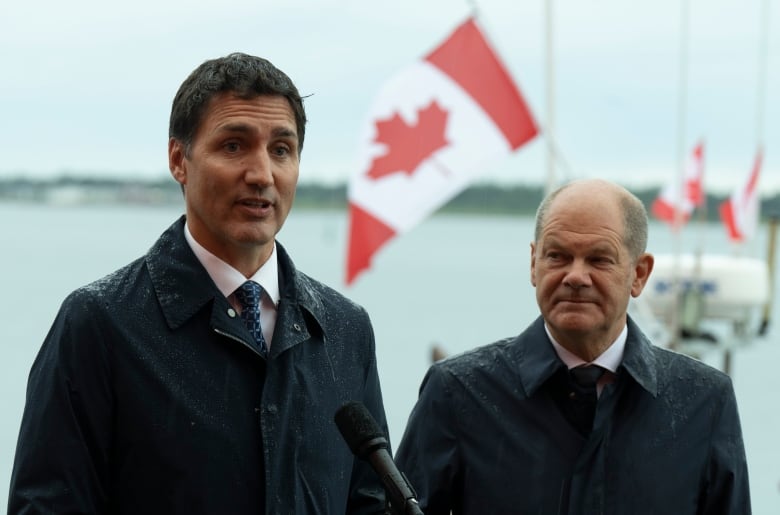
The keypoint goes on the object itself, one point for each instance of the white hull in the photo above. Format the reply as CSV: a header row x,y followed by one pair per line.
x,y
711,288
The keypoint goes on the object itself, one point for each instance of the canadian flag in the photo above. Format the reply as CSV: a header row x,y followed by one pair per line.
x,y
740,212
674,206
433,128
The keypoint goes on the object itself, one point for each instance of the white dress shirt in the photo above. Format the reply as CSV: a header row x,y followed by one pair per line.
x,y
610,359
228,280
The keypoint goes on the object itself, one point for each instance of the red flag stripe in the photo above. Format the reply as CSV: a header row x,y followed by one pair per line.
x,y
468,59
676,207
750,189
665,211
366,235
730,221
694,184
733,211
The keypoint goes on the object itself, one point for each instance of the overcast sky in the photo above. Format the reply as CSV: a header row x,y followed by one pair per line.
x,y
86,85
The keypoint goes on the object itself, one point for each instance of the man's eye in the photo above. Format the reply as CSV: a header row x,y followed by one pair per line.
x,y
281,150
601,260
232,146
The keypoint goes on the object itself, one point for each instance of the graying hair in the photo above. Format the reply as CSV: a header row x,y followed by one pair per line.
x,y
634,219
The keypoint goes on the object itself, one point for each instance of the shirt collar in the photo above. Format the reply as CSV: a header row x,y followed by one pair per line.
x,y
227,278
609,359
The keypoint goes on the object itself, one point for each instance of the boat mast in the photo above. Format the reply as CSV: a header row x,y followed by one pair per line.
x,y
550,97
763,64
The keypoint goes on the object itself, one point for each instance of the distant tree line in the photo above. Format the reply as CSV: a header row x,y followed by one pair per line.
x,y
488,199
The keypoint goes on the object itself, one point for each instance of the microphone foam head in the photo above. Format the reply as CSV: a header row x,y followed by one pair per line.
x,y
357,426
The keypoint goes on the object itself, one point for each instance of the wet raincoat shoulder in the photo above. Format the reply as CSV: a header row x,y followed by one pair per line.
x,y
147,397
486,436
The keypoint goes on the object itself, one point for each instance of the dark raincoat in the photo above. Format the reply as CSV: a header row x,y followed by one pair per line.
x,y
147,398
487,437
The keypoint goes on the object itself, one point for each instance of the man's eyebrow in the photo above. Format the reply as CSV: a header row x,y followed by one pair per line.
x,y
600,247
284,132
277,132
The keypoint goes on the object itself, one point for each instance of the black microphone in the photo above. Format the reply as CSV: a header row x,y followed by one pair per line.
x,y
367,442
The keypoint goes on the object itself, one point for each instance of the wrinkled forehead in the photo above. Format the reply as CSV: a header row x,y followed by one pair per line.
x,y
585,215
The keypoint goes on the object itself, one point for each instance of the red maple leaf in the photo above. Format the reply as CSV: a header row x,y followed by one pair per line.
x,y
409,145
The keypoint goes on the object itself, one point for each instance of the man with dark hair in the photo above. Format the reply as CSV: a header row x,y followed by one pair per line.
x,y
204,376
580,413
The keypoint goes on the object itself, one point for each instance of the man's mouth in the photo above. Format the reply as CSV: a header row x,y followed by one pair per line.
x,y
256,203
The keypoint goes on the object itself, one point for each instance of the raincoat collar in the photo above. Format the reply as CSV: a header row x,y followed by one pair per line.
x,y
183,287
536,357
537,360
639,361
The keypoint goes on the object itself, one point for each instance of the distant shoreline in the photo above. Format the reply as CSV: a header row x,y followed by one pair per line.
x,y
478,199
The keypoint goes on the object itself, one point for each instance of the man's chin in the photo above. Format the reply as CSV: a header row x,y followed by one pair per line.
x,y
254,234
574,322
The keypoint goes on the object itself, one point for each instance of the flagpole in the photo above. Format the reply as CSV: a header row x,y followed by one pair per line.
x,y
681,129
682,102
474,9
763,61
549,97
556,161
697,295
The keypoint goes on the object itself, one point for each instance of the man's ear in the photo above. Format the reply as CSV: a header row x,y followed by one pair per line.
x,y
176,161
642,269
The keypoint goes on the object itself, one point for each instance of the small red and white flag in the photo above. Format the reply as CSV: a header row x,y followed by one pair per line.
x,y
433,128
676,202
740,212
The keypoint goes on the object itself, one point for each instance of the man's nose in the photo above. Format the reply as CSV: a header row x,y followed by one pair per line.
x,y
258,169
578,274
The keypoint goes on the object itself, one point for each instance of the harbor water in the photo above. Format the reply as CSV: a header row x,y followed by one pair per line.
x,y
454,281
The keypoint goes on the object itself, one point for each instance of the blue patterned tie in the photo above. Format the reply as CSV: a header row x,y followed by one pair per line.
x,y
249,295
